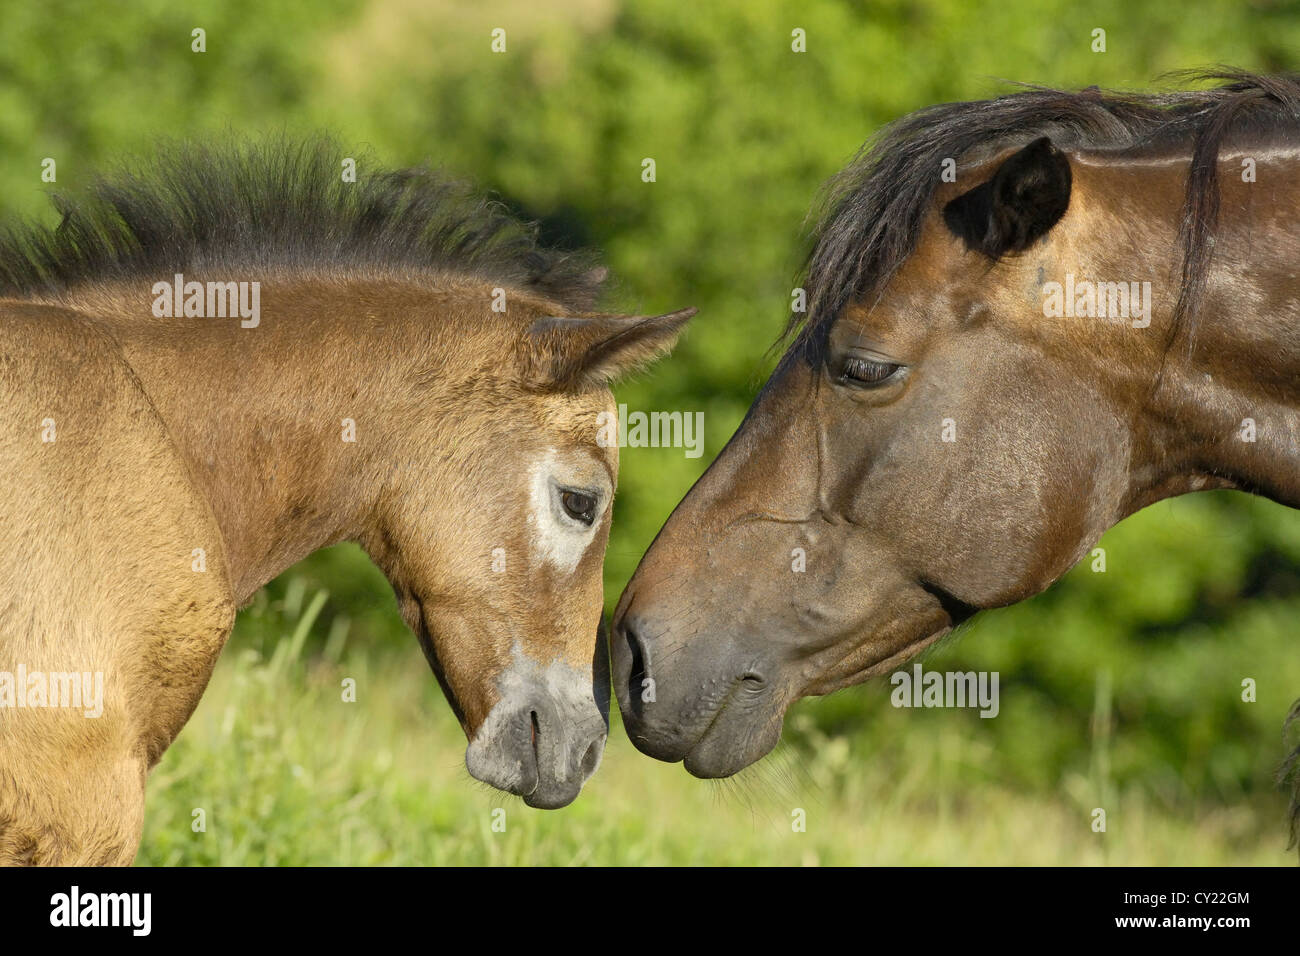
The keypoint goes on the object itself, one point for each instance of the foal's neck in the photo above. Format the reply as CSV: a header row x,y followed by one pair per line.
x,y
265,417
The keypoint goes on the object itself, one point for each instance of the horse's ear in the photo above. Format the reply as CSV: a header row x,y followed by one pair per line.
x,y
1016,207
570,353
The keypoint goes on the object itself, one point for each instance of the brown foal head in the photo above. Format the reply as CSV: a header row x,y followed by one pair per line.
x,y
495,537
935,441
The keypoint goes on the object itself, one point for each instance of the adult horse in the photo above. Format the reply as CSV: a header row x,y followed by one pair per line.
x,y
226,359
1028,318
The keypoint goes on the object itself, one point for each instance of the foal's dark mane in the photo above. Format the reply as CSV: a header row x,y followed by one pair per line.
x,y
280,203
873,210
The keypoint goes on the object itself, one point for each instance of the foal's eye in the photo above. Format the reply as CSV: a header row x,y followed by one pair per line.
x,y
581,507
864,371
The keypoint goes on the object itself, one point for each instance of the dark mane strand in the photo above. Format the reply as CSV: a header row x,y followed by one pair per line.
x,y
283,203
871,213
1288,775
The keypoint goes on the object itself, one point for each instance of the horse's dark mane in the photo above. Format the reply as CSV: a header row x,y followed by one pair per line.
x,y
1289,774
872,212
281,203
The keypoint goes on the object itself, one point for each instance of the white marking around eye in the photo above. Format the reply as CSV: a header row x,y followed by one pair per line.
x,y
554,540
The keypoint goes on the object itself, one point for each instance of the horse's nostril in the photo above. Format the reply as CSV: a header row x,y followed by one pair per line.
x,y
532,716
638,673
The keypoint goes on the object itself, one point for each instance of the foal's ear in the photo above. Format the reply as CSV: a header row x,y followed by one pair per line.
x,y
568,353
1025,198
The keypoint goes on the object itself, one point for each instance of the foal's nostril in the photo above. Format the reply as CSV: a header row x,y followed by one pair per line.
x,y
591,759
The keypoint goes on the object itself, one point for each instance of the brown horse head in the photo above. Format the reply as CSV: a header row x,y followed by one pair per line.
x,y
997,365
391,361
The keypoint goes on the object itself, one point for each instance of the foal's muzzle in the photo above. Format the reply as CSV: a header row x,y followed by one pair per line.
x,y
540,745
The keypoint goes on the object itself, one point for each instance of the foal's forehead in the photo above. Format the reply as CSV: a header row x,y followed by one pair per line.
x,y
573,423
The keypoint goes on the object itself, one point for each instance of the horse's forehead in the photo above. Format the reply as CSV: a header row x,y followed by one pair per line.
x,y
907,305
940,277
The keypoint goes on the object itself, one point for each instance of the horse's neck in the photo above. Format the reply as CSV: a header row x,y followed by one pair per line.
x,y
1238,428
1230,390
264,418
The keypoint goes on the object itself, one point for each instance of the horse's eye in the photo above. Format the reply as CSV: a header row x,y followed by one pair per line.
x,y
580,507
865,371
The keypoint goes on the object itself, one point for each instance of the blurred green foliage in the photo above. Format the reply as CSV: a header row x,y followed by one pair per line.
x,y
1128,678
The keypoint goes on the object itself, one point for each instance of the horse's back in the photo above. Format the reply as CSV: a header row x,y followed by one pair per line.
x,y
115,600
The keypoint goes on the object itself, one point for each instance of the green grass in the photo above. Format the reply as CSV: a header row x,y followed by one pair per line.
x,y
288,773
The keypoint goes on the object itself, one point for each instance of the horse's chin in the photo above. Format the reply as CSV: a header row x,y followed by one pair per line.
x,y
736,738
748,726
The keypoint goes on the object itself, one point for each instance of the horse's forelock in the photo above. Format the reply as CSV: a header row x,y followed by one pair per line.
x,y
869,217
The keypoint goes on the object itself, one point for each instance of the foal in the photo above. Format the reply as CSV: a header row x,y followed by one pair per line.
x,y
228,360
